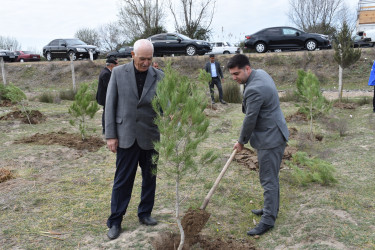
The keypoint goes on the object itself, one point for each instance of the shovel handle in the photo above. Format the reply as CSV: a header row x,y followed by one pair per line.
x,y
209,195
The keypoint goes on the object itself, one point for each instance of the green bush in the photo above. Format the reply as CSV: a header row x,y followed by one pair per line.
x,y
306,170
67,94
46,98
231,92
12,93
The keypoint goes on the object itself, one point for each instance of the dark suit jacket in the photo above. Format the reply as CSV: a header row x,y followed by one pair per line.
x,y
128,117
218,69
104,76
264,123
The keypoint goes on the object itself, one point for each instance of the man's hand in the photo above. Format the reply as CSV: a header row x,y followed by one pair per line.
x,y
112,144
238,146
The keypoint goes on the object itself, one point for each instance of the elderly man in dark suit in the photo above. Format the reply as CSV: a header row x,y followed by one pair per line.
x,y
104,76
264,125
130,132
214,69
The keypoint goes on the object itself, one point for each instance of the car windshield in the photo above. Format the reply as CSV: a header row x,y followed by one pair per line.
x,y
27,52
184,37
229,44
75,42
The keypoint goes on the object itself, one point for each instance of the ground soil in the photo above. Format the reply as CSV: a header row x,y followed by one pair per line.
x,y
31,117
75,141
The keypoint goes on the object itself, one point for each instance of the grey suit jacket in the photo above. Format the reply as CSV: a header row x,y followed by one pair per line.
x,y
264,123
127,117
218,69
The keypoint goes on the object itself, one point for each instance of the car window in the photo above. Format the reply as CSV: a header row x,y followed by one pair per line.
x,y
122,50
61,42
75,42
219,44
54,43
184,37
17,53
28,52
272,32
172,37
158,37
288,31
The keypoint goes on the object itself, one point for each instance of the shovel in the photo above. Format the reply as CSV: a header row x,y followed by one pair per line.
x,y
195,219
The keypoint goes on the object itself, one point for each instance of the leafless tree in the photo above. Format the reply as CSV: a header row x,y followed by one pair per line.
x,y
193,17
9,43
111,37
320,16
141,18
89,36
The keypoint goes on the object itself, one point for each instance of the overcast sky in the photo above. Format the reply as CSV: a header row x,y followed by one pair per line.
x,y
34,23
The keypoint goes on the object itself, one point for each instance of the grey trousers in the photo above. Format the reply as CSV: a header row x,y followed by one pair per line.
x,y
269,166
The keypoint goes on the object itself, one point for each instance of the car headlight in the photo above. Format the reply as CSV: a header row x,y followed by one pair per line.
x,y
81,50
3,54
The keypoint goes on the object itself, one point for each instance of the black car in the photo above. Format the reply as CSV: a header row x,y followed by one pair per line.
x,y
8,56
279,38
173,43
66,48
121,53
360,42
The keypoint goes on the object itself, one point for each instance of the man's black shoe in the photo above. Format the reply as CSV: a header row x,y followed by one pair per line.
x,y
114,232
223,102
212,102
258,212
148,221
260,229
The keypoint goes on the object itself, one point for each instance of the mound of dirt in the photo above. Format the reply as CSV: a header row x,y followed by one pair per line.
x,y
5,174
193,221
6,103
248,157
170,241
32,116
91,143
296,117
342,105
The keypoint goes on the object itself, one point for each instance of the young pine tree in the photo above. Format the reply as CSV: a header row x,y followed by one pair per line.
x,y
179,104
345,55
83,107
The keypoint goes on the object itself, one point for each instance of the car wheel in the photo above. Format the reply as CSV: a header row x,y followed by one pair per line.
x,y
191,50
49,56
71,54
260,47
22,60
226,52
311,45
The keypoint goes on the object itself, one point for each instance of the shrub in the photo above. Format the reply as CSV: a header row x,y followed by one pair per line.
x,y
306,170
46,98
231,92
67,94
12,93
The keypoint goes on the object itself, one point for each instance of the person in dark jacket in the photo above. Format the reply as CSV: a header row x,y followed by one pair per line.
x,y
104,76
214,69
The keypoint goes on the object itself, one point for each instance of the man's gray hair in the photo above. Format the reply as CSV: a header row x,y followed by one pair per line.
x,y
144,43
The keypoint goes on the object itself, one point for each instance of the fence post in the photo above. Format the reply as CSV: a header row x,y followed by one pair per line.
x,y
3,73
73,73
91,55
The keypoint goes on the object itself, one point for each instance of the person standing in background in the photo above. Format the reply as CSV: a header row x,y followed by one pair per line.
x,y
214,69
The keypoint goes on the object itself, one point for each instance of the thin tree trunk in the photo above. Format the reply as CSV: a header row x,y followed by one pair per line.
x,y
182,233
3,71
340,83
73,73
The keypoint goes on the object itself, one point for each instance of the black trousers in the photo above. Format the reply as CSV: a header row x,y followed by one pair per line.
x,y
126,167
103,121
216,81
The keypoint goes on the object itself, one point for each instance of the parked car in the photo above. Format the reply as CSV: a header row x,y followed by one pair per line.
x,y
362,42
280,38
26,56
174,43
121,53
65,48
7,55
223,48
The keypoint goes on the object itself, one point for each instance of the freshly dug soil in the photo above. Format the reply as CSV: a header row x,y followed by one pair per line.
x,y
32,117
193,221
91,143
170,241
5,174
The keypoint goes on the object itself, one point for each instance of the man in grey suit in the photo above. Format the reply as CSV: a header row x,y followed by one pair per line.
x,y
216,73
264,125
130,132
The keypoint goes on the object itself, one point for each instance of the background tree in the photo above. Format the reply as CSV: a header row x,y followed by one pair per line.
x,y
179,104
9,43
111,37
141,18
345,55
193,17
89,36
318,16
